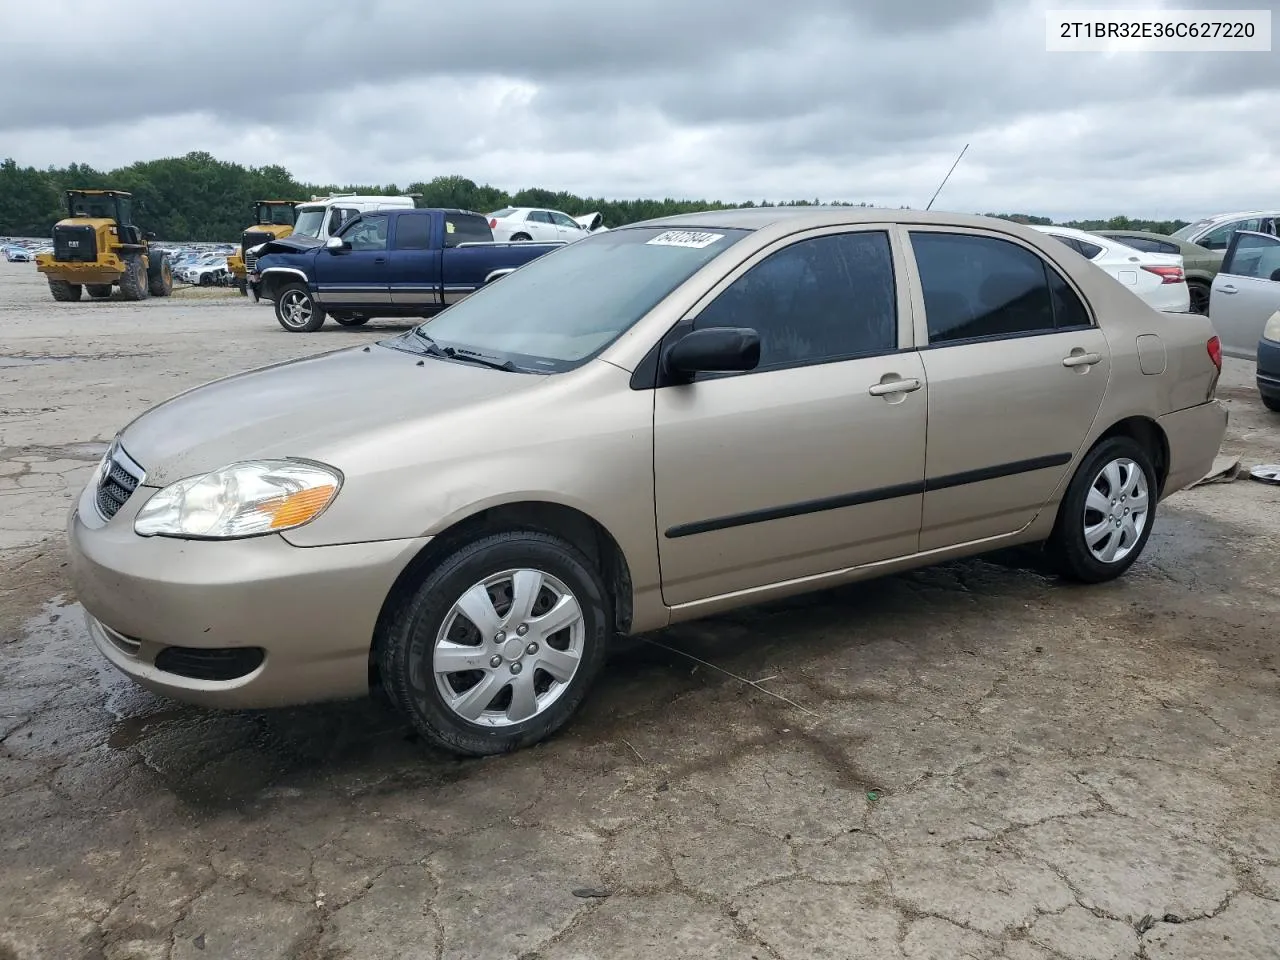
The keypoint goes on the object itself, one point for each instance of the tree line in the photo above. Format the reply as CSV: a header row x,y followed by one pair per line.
x,y
198,197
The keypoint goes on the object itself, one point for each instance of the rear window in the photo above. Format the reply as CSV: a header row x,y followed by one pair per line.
x,y
466,228
502,214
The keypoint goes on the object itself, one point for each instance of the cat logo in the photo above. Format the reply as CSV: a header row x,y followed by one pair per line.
x,y
73,243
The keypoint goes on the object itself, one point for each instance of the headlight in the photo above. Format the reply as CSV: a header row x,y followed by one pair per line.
x,y
1272,330
241,500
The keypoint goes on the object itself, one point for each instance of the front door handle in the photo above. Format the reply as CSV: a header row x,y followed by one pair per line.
x,y
890,387
1081,359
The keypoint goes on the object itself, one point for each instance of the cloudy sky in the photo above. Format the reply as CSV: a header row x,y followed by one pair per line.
x,y
862,100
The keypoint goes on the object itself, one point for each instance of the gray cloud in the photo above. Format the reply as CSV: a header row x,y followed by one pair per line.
x,y
730,99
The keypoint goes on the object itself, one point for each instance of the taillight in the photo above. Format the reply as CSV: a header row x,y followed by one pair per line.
x,y
1214,346
493,223
1166,274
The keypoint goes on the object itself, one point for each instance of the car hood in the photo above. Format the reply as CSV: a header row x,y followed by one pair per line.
x,y
308,408
290,244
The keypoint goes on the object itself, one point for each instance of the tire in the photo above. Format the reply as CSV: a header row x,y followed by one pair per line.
x,y
407,644
520,237
297,311
1120,459
1271,403
206,280
98,290
133,282
349,321
1199,297
243,287
159,275
64,292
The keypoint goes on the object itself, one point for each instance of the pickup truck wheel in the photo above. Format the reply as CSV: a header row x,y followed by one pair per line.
x,y
349,321
498,644
520,236
298,311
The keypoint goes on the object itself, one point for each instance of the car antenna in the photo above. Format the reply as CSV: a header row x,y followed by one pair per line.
x,y
946,178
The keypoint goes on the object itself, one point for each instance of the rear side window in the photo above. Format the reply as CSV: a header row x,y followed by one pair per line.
x,y
502,214
466,228
1067,242
982,287
413,232
828,298
1089,250
540,216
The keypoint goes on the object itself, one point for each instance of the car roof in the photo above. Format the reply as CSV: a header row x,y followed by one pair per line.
x,y
1240,215
801,218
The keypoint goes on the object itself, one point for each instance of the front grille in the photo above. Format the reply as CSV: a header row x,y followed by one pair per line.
x,y
213,663
119,479
251,239
75,244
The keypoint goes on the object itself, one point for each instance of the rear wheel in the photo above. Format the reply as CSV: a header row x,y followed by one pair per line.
x,y
497,647
1105,518
133,282
298,311
99,290
521,237
63,291
1199,297
160,275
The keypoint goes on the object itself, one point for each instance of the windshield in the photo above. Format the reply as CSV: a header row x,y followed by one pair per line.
x,y
566,306
277,214
1191,228
310,220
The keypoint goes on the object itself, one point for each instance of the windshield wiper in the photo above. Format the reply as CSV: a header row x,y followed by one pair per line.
x,y
452,353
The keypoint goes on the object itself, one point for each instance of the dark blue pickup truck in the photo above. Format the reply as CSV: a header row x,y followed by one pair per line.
x,y
386,263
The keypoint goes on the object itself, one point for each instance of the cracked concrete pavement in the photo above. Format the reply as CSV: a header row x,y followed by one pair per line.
x,y
988,763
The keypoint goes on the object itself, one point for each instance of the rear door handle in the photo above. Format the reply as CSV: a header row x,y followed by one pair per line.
x,y
379,259
1081,359
1227,288
892,387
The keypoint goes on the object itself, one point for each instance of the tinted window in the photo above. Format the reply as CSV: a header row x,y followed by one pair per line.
x,y
1141,243
1068,309
1067,242
568,305
1089,250
502,214
564,221
822,299
335,220
981,287
367,233
1257,257
466,228
413,232
540,216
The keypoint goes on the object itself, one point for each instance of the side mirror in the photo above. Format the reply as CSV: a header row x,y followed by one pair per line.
x,y
713,350
336,244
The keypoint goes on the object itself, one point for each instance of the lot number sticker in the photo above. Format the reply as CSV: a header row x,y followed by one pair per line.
x,y
685,238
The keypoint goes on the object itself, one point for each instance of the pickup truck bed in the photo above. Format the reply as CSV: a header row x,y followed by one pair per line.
x,y
388,263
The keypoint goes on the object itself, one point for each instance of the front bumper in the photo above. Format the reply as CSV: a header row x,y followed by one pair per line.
x,y
312,609
1269,369
1195,437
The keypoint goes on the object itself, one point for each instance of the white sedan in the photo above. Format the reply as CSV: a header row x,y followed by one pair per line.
x,y
1155,277
535,223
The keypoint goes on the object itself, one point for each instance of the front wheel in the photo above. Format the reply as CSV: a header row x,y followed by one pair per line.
x,y
497,647
133,282
297,310
1271,403
1105,518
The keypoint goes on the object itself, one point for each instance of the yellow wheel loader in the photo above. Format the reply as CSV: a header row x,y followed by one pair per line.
x,y
273,219
97,247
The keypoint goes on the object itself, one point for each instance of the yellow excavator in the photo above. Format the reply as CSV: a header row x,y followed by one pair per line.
x,y
96,246
273,219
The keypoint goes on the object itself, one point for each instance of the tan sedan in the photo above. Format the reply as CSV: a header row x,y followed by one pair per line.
x,y
653,424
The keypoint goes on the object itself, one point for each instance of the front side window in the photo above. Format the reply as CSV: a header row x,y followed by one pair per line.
x,y
1219,239
367,233
978,287
562,220
1254,256
566,306
823,299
